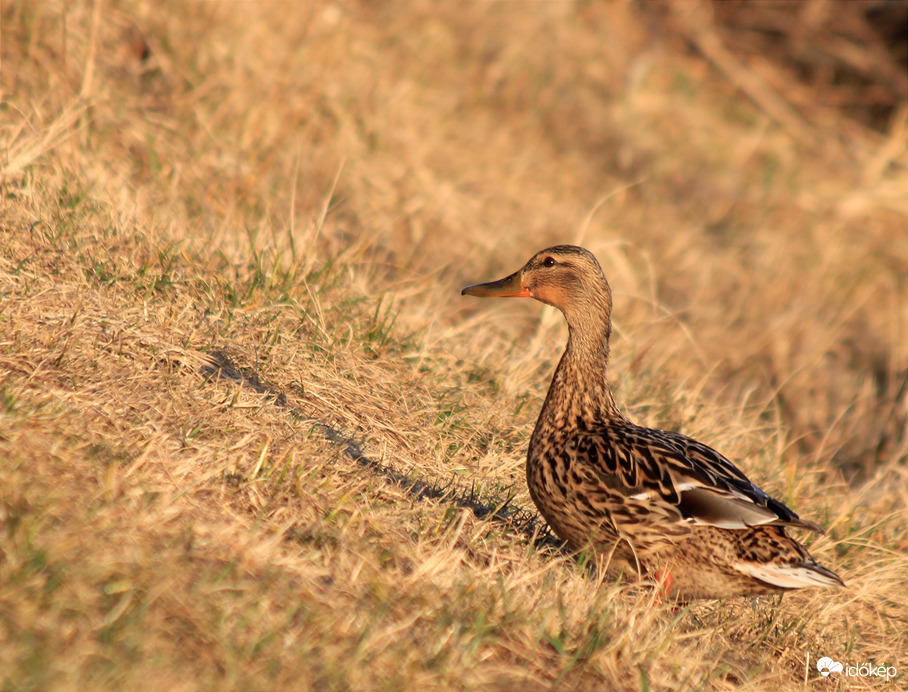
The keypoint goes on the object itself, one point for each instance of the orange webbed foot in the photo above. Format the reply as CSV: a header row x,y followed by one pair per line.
x,y
664,581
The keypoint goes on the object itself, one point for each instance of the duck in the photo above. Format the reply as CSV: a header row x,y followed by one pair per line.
x,y
651,505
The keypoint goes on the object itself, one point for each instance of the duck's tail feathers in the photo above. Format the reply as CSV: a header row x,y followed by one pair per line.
x,y
790,576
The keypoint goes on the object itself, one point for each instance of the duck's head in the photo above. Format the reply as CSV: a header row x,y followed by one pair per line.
x,y
565,276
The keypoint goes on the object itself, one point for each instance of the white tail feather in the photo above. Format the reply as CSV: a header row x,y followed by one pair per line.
x,y
786,576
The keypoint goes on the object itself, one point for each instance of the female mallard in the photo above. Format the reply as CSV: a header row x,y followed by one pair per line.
x,y
649,502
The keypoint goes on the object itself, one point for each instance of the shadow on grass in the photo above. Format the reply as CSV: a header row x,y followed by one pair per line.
x,y
484,506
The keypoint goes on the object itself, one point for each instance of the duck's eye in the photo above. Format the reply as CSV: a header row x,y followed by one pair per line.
x,y
548,262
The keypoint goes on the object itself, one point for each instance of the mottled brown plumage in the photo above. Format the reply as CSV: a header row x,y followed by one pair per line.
x,y
648,502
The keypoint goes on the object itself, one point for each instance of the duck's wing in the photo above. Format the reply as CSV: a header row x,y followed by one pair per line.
x,y
665,468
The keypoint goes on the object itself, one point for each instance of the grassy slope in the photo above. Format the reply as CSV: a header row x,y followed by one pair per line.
x,y
301,191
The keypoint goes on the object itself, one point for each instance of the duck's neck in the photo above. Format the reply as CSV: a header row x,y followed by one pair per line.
x,y
580,398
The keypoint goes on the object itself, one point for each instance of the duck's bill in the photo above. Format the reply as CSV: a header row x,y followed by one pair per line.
x,y
508,287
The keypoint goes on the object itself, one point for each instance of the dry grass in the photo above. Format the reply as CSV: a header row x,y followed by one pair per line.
x,y
245,416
